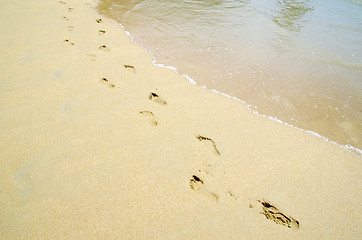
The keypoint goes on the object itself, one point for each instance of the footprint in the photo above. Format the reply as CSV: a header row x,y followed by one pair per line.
x,y
202,138
104,48
130,67
99,20
70,9
62,2
70,28
101,32
106,82
198,185
149,115
154,97
67,19
92,57
272,213
68,41
232,195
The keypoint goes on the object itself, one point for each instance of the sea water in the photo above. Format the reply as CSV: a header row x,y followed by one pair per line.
x,y
299,61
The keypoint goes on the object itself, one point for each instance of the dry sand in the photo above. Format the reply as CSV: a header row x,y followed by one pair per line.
x,y
91,149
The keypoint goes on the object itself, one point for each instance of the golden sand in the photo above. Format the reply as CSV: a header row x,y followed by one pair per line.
x,y
98,143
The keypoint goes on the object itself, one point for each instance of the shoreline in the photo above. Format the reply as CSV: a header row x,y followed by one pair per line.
x,y
348,147
97,142
325,117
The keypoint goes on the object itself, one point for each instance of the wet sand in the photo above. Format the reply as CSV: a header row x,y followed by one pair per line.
x,y
98,143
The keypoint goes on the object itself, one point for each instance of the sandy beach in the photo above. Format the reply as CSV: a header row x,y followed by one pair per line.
x,y
99,143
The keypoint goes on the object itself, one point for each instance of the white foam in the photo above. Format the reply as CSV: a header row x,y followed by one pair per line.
x,y
215,91
191,80
163,65
127,33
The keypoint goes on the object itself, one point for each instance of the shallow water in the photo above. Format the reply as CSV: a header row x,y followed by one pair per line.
x,y
298,61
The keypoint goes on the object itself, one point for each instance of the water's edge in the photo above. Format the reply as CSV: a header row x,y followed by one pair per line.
x,y
348,147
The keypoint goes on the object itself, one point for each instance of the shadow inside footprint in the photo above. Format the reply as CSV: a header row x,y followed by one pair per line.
x,y
92,57
150,115
202,138
272,213
104,48
197,184
129,67
105,81
101,32
99,20
154,97
68,41
232,195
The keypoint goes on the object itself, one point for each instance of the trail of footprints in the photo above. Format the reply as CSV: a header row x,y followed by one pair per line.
x,y
198,180
197,183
